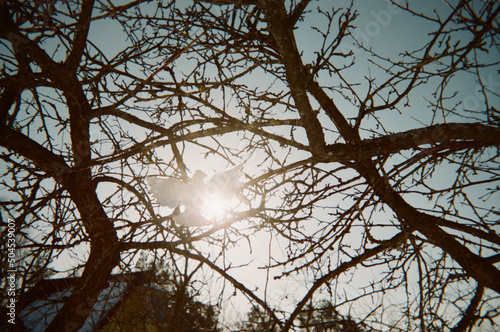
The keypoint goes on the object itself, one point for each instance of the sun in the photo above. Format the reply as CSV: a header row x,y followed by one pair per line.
x,y
215,208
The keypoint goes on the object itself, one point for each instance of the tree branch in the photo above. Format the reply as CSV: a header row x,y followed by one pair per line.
x,y
469,317
474,135
80,36
296,73
394,241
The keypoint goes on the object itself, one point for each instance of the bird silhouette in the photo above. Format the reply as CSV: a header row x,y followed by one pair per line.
x,y
189,198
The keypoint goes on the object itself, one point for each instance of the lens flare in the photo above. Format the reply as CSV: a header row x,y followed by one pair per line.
x,y
215,208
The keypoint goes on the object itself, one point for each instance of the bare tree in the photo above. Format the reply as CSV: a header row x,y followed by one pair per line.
x,y
372,166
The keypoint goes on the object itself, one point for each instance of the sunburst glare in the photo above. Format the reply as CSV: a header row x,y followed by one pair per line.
x,y
215,208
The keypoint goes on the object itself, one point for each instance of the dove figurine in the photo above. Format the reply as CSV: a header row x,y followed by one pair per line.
x,y
194,195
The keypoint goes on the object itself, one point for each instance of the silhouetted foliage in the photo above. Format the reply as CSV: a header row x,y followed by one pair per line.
x,y
173,306
323,317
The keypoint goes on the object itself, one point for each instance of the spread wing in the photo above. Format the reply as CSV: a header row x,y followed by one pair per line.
x,y
227,182
170,192
174,193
